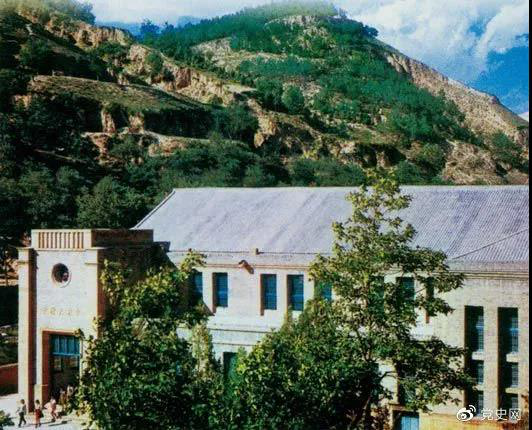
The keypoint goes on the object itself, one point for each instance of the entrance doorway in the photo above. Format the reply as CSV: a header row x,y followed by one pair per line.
x,y
64,363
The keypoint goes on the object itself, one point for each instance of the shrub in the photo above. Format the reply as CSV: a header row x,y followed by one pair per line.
x,y
37,55
293,100
270,93
506,151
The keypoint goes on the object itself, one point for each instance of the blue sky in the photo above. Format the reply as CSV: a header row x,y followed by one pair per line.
x,y
483,43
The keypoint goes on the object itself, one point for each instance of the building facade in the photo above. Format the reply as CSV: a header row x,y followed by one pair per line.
x,y
258,245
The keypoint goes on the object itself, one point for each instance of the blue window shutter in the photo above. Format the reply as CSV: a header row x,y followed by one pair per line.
x,y
269,291
197,285
296,287
67,346
222,290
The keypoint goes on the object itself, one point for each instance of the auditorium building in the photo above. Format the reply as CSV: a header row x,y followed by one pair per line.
x,y
258,245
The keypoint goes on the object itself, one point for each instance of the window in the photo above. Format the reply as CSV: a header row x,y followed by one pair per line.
x,y
66,346
197,285
475,328
476,399
510,401
296,291
221,290
60,275
511,375
408,285
477,371
324,290
509,329
269,291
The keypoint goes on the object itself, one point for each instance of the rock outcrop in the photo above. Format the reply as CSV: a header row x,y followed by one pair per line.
x,y
483,112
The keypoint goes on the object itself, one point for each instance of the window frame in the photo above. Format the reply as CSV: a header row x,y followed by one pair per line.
x,y
219,300
269,300
292,296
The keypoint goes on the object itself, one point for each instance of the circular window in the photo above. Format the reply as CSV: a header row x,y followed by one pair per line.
x,y
61,275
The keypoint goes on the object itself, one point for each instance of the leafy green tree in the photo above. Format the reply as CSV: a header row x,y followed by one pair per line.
x,y
507,151
11,83
38,188
325,172
308,375
257,176
270,93
408,173
110,205
139,373
293,100
236,122
37,55
380,313
148,30
431,158
74,9
155,62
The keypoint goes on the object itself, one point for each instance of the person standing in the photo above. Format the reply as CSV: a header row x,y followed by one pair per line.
x,y
22,410
53,409
38,413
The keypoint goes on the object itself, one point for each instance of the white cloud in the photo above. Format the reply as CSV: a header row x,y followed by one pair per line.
x,y
454,36
164,10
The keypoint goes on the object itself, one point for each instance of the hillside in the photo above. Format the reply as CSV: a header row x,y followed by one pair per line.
x,y
95,126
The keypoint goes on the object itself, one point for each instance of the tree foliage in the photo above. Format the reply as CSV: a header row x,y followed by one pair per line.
x,y
308,375
139,373
381,313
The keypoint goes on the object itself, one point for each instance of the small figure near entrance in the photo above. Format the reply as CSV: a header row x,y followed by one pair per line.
x,y
38,413
22,410
63,401
53,409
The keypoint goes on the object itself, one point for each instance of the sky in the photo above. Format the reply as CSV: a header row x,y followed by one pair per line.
x,y
483,43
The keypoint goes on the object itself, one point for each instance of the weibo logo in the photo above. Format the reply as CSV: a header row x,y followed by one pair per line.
x,y
466,414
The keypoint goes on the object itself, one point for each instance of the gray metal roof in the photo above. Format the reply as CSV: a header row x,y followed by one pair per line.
x,y
470,224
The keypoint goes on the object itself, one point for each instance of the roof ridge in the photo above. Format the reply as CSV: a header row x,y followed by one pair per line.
x,y
491,244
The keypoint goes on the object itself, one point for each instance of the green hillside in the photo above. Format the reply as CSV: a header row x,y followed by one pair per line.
x,y
96,127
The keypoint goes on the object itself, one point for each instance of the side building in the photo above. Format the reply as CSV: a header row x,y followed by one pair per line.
x,y
258,245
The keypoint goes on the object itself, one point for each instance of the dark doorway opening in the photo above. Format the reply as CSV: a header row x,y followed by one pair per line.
x,y
64,361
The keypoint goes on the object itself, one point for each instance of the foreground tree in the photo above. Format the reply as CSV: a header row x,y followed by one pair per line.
x,y
307,376
380,312
139,373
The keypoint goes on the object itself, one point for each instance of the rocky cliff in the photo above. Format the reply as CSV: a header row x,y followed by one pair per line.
x,y
156,99
484,113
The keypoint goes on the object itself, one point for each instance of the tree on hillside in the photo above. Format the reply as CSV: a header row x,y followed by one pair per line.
x,y
139,373
37,55
293,100
111,205
380,312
